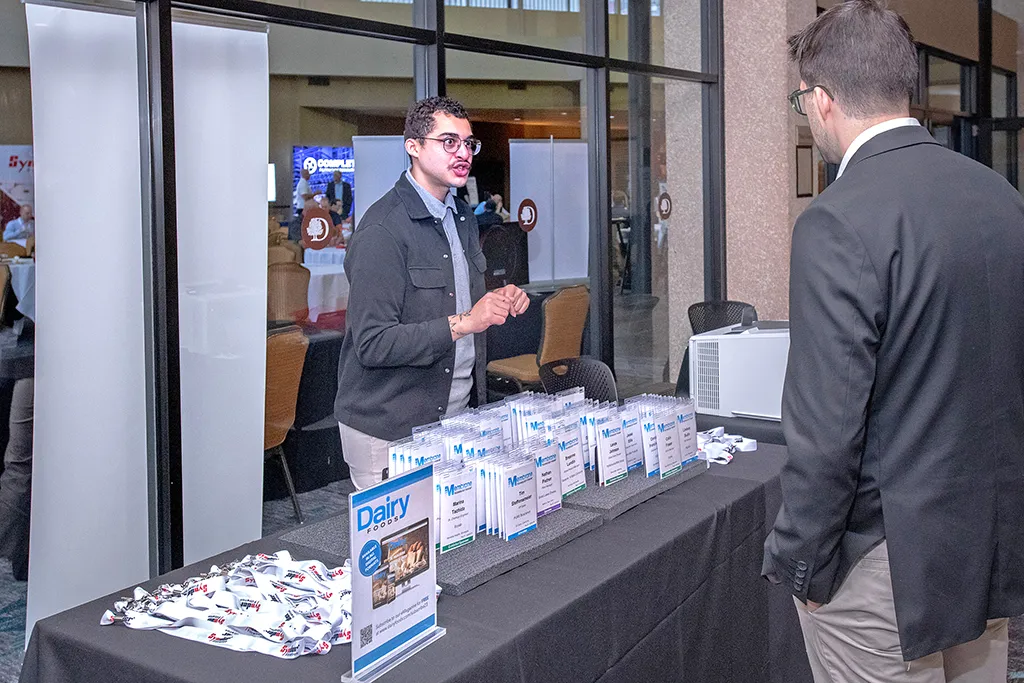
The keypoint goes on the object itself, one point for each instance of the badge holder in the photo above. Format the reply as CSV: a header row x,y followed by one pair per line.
x,y
393,659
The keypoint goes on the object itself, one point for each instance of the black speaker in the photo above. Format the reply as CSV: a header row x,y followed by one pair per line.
x,y
508,261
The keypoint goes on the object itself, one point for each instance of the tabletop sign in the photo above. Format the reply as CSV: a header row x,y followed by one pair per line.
x,y
394,577
317,229
664,206
527,215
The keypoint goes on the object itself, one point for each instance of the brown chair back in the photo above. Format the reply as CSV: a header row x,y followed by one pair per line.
x,y
280,254
565,315
286,355
5,288
287,292
12,249
30,245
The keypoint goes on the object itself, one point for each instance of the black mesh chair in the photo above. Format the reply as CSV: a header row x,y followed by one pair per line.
x,y
595,377
711,315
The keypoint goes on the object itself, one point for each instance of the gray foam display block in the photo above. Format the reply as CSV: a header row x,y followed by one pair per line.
x,y
476,563
612,501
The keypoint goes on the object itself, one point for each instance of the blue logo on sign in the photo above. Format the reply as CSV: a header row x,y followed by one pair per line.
x,y
369,558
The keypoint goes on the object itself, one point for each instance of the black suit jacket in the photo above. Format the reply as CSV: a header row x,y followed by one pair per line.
x,y
903,409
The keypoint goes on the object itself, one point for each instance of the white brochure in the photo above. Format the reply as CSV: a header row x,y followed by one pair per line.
x,y
394,603
686,425
549,476
633,435
611,448
570,454
669,455
458,508
519,498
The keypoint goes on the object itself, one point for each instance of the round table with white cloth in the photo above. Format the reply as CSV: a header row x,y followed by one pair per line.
x,y
23,282
328,288
334,255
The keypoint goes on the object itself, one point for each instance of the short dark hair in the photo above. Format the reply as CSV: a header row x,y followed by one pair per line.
x,y
491,205
419,120
863,53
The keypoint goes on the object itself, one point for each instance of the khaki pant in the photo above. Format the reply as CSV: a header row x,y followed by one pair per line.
x,y
366,455
854,637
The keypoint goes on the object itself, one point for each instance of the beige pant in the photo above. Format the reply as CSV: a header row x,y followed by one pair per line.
x,y
366,455
854,637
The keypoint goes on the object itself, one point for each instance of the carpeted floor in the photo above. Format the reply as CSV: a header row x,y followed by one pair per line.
x,y
277,516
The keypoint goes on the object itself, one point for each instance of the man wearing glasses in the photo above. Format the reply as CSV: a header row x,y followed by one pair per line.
x,y
900,531
414,348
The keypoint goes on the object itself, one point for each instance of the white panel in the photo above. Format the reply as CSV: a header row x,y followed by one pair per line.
x,y
89,486
380,160
221,87
530,178
572,211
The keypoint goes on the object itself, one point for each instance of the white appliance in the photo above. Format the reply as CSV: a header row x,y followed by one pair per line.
x,y
738,371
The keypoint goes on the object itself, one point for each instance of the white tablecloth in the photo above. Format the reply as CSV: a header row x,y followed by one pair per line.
x,y
335,255
23,281
328,288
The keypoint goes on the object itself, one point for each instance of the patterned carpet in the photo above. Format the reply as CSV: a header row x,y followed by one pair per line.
x,y
277,516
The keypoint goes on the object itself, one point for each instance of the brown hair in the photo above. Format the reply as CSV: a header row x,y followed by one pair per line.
x,y
863,53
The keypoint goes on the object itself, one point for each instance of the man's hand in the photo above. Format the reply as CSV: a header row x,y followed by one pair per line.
x,y
518,299
812,606
492,309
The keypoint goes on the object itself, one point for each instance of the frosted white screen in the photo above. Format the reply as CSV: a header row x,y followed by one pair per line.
x,y
553,175
89,488
380,160
530,178
221,134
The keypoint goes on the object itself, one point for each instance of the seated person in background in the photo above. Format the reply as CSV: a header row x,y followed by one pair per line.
x,y
490,215
22,227
332,208
337,209
501,207
339,190
479,208
295,227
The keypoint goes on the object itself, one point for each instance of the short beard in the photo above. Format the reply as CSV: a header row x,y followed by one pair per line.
x,y
827,145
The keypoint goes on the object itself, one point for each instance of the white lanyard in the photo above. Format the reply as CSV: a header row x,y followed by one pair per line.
x,y
718,446
264,603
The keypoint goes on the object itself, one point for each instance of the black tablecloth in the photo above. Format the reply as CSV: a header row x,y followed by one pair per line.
x,y
670,590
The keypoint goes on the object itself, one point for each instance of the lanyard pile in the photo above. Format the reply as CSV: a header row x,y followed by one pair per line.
x,y
718,446
263,603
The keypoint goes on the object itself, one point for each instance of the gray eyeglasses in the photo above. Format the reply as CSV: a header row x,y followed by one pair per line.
x,y
797,103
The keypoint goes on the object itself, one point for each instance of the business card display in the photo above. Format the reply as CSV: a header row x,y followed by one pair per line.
x,y
611,447
549,477
633,436
570,454
457,499
394,603
669,455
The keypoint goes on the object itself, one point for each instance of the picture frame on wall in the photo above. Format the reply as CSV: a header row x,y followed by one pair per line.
x,y
804,171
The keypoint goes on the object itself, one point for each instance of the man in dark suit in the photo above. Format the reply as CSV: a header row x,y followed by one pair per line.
x,y
900,532
345,196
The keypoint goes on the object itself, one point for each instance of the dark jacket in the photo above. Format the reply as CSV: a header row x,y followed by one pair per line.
x,y
346,197
903,407
397,357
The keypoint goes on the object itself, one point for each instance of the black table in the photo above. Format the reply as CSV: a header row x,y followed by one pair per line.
x,y
670,590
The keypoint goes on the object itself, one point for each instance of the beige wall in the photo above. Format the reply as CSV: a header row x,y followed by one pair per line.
x,y
15,107
757,154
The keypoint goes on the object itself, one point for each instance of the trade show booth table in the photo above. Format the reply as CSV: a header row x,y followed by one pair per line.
x,y
670,590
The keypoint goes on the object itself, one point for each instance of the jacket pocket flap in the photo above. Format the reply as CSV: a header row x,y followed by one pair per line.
x,y
427,278
479,261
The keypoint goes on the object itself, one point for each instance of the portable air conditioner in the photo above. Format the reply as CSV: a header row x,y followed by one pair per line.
x,y
738,371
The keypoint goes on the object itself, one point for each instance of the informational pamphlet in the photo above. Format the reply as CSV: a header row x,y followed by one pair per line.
x,y
518,498
570,454
549,477
669,455
394,603
458,508
611,448
633,435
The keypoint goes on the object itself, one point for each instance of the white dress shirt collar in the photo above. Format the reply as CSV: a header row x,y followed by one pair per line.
x,y
871,132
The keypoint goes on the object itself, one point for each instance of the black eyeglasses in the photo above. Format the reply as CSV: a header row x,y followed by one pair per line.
x,y
797,103
451,144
